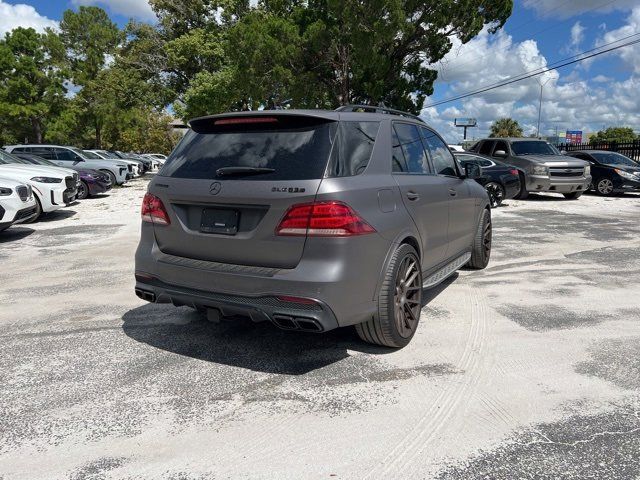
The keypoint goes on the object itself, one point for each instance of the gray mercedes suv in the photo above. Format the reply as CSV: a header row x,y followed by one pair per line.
x,y
311,220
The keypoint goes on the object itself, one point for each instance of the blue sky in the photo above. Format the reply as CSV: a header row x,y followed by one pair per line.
x,y
587,96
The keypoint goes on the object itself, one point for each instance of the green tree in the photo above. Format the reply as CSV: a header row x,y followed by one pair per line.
x,y
31,82
320,53
506,127
91,40
614,134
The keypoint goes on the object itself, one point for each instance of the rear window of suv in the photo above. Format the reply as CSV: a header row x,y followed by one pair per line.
x,y
296,148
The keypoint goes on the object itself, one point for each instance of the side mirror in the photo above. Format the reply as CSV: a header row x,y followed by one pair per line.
x,y
500,154
472,171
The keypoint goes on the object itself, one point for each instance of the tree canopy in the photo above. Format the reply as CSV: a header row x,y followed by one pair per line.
x,y
93,84
614,134
506,127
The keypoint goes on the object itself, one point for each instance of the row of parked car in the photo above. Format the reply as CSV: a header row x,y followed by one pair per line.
x,y
39,179
515,167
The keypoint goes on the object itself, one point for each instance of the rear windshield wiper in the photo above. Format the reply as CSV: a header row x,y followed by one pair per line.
x,y
228,171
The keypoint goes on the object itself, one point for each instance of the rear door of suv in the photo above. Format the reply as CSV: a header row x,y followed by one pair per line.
x,y
424,194
230,182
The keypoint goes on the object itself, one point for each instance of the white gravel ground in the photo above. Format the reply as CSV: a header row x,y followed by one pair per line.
x,y
529,369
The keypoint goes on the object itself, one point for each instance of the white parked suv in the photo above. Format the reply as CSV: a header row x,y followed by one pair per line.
x,y
67,156
53,187
17,203
135,166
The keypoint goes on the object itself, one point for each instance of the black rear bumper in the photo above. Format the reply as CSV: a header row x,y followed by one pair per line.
x,y
312,317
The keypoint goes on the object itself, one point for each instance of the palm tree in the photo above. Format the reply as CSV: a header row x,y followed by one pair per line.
x,y
506,127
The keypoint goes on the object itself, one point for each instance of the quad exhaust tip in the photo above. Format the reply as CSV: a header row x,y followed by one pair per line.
x,y
286,322
146,295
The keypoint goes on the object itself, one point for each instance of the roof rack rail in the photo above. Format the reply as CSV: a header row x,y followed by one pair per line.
x,y
377,109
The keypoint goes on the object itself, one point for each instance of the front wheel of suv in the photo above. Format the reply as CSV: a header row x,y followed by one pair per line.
x,y
482,243
573,195
399,302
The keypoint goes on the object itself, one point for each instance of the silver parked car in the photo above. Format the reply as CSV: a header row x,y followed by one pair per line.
x,y
544,168
312,220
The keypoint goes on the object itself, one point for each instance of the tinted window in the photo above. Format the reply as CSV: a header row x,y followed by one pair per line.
x,y
350,156
612,158
441,156
399,164
412,148
483,162
46,153
532,147
297,148
65,155
486,147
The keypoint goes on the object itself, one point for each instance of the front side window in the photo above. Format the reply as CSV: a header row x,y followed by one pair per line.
x,y
613,159
501,146
412,148
486,147
65,155
441,156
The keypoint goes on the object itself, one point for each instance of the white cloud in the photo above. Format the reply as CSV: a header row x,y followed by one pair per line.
x,y
20,15
570,102
577,34
631,54
566,9
139,9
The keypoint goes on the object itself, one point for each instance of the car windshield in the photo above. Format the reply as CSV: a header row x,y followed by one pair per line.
x,y
612,158
86,155
7,158
532,147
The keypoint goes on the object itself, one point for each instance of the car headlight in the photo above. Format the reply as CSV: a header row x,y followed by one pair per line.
x,y
5,191
46,180
587,170
542,170
627,175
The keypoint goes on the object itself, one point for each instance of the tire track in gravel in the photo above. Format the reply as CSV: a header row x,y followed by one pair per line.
x,y
404,454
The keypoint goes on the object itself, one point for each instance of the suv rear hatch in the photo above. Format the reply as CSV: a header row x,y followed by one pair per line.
x,y
231,180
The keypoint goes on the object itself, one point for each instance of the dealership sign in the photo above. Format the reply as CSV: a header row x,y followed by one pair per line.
x,y
574,136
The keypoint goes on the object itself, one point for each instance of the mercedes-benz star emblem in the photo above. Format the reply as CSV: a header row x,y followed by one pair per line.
x,y
215,188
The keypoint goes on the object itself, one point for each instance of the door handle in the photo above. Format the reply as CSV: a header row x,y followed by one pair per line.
x,y
453,192
413,195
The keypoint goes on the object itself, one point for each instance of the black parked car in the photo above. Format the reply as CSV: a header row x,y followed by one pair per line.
x,y
612,172
92,182
501,181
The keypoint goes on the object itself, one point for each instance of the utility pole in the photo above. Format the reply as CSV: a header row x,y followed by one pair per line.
x,y
540,106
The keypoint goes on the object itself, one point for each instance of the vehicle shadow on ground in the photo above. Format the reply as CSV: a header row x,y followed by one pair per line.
x,y
241,343
14,234
57,215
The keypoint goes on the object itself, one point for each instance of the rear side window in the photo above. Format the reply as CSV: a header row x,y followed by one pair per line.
x,y
352,152
486,147
412,148
296,148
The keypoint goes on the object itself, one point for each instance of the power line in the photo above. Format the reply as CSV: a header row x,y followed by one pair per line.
x,y
534,73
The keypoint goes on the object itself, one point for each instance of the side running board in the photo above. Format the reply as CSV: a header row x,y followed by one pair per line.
x,y
446,271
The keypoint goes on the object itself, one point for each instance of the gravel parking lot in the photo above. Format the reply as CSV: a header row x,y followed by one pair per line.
x,y
528,369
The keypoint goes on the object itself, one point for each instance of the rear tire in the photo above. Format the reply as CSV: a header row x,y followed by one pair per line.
x,y
572,196
399,302
481,252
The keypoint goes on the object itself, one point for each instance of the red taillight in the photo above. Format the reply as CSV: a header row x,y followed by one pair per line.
x,y
514,172
245,120
323,219
153,210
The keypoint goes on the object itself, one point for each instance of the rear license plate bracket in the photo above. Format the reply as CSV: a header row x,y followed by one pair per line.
x,y
219,221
